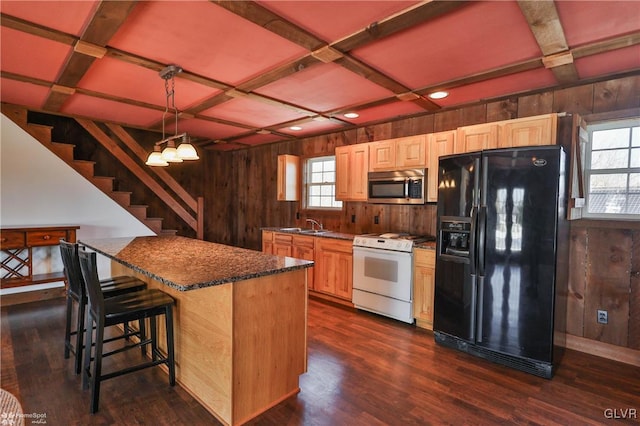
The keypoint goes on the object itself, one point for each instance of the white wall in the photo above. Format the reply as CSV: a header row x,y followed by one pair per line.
x,y
38,188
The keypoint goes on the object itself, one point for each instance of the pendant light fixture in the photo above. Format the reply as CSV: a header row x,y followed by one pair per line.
x,y
171,154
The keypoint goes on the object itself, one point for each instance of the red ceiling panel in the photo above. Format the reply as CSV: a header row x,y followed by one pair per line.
x,y
609,63
19,93
42,59
107,110
479,37
324,87
395,109
311,127
512,84
118,78
257,139
587,21
208,129
330,21
173,32
69,17
252,113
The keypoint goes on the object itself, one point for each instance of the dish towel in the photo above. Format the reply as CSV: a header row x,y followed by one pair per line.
x,y
10,410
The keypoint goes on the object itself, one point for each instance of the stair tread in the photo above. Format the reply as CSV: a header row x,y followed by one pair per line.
x,y
75,160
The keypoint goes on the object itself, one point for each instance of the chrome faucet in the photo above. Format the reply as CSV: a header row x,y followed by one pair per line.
x,y
314,223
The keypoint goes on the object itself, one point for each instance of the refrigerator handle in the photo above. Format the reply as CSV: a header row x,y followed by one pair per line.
x,y
472,242
482,227
479,308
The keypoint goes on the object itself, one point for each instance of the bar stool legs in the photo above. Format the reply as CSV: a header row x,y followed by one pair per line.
x,y
105,312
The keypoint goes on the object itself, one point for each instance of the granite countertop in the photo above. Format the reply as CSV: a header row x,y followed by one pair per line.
x,y
429,245
188,264
328,234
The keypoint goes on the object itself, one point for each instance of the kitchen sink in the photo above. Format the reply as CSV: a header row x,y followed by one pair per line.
x,y
314,231
305,231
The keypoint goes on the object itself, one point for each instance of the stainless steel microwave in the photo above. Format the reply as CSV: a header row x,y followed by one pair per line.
x,y
398,187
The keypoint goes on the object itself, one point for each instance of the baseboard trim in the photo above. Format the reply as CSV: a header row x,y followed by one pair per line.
x,y
604,350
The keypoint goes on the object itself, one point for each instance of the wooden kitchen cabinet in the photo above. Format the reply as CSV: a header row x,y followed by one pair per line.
x,y
288,178
401,153
528,131
476,138
382,155
282,244
267,242
334,267
303,247
352,166
424,280
440,144
411,152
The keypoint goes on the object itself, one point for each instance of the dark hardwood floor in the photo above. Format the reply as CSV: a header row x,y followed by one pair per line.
x,y
363,370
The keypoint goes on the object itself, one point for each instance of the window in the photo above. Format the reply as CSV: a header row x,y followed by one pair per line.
x,y
320,183
612,172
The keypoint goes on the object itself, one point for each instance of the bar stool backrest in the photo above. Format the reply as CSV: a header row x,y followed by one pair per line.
x,y
89,268
69,253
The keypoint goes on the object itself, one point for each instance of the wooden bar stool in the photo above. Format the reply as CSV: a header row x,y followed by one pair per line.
x,y
118,310
114,286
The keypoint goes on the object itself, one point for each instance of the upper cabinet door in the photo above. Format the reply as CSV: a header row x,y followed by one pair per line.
x,y
352,166
440,144
538,130
288,170
476,138
359,171
382,155
343,155
411,152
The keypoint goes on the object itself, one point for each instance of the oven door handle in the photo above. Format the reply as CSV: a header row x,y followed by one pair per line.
x,y
380,252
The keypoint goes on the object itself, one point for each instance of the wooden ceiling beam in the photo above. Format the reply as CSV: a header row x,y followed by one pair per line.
x,y
419,14
259,15
12,22
106,20
544,22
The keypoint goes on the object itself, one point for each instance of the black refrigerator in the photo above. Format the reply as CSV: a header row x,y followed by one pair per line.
x,y
502,252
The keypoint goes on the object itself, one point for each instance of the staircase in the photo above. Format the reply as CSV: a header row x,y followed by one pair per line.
x,y
64,151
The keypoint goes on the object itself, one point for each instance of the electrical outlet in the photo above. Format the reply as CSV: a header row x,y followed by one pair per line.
x,y
353,218
376,220
603,317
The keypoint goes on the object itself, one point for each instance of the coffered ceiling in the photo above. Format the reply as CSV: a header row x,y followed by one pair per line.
x,y
253,70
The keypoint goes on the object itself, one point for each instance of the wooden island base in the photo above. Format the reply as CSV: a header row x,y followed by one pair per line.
x,y
240,347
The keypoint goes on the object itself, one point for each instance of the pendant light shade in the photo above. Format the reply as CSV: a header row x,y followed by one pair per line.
x,y
155,158
170,153
186,151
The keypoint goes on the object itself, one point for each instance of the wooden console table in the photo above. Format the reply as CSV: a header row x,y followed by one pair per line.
x,y
16,247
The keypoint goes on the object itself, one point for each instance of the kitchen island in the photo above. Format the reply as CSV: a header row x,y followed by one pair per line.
x,y
240,318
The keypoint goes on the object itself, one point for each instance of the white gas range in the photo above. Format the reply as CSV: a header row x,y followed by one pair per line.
x,y
382,274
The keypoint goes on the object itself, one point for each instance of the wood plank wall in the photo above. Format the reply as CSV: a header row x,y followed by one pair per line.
x,y
240,199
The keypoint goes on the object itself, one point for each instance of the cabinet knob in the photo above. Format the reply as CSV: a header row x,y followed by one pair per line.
x,y
46,237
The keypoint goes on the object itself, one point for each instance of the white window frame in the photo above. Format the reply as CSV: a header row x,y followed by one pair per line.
x,y
326,184
589,172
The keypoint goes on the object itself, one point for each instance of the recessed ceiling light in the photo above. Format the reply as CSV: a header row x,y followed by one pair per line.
x,y
296,128
438,95
352,115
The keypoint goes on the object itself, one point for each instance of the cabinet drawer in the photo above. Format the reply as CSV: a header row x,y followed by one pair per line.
x,y
304,242
45,238
282,238
12,239
425,258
